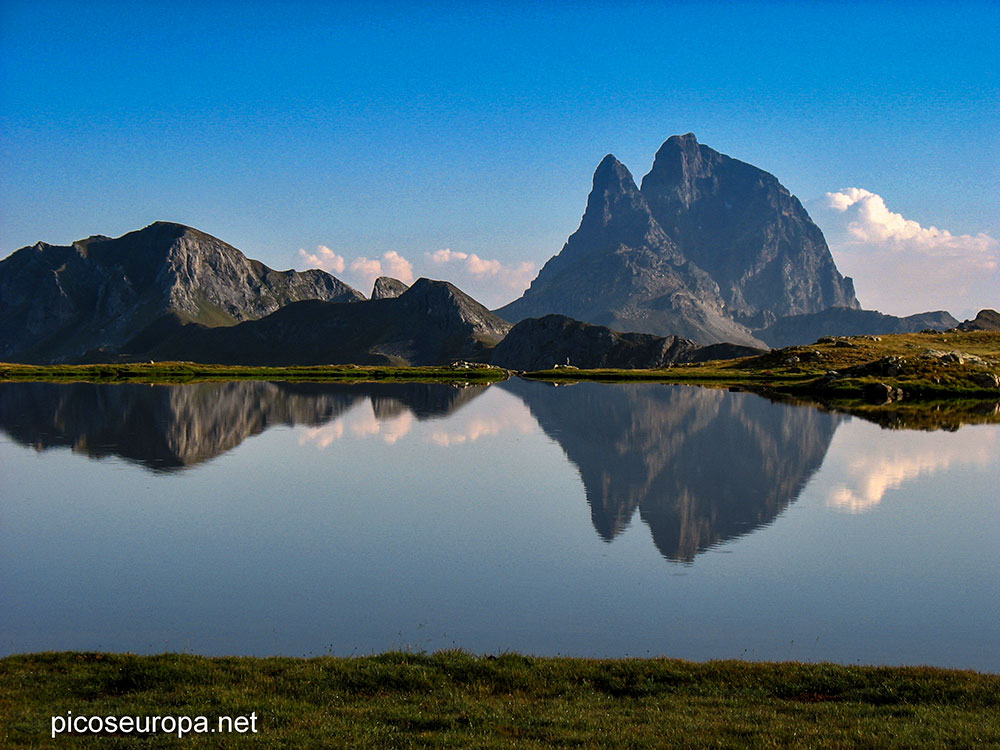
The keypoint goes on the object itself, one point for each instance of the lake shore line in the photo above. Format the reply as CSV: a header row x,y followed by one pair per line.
x,y
455,699
848,373
167,373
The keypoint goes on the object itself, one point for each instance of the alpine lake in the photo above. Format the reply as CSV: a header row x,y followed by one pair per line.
x,y
600,520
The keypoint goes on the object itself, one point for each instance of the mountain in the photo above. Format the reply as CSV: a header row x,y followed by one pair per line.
x,y
432,322
386,287
985,320
541,343
57,303
621,270
746,230
843,321
706,248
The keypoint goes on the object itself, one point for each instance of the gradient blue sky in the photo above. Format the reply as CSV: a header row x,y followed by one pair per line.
x,y
408,128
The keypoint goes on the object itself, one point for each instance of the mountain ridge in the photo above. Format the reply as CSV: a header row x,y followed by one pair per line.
x,y
432,322
58,303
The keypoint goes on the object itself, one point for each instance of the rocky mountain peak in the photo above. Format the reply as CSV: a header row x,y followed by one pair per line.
x,y
445,303
680,163
58,303
743,227
621,270
386,287
614,196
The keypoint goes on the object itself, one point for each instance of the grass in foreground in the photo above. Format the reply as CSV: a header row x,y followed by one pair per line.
x,y
452,699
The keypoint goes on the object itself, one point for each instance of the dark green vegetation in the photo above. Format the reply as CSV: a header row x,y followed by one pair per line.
x,y
452,699
188,372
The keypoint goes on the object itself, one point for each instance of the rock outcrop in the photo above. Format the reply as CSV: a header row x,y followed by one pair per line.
x,y
57,303
985,320
387,287
555,340
541,343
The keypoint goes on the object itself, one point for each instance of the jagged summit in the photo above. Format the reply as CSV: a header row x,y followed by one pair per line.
x,y
615,204
621,270
677,164
706,247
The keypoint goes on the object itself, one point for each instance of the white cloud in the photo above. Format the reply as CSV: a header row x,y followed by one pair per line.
x,y
444,255
513,278
324,258
868,469
870,220
902,267
488,280
391,264
398,267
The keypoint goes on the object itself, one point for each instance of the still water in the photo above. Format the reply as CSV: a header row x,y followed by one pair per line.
x,y
592,520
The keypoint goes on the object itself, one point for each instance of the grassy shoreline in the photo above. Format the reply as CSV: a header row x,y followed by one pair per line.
x,y
794,370
454,699
190,372
921,380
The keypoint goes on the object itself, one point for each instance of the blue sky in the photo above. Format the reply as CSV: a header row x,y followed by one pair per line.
x,y
389,132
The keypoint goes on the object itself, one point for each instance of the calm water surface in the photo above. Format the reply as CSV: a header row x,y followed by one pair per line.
x,y
594,520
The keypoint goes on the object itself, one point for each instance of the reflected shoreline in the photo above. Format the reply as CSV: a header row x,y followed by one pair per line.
x,y
167,428
698,466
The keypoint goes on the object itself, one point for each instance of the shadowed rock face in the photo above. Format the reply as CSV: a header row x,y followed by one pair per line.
x,y
58,303
621,270
432,322
985,320
541,343
701,466
167,428
744,228
708,247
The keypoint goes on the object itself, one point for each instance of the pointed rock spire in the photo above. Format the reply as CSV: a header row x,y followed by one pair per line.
x,y
614,196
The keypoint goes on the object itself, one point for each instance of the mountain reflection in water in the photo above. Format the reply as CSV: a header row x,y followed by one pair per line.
x,y
700,465
171,427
